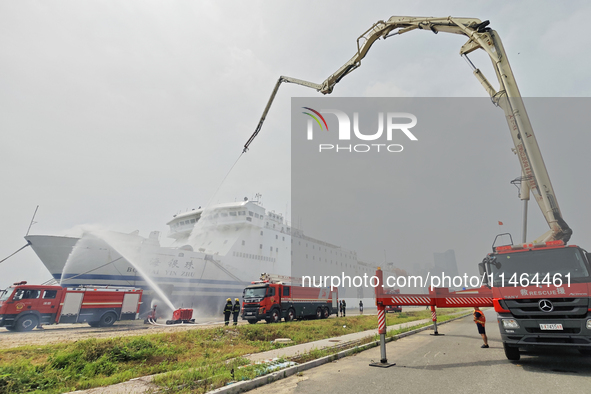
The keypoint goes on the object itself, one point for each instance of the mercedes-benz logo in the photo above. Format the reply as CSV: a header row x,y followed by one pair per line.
x,y
545,305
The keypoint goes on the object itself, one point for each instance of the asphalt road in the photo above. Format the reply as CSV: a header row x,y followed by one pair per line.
x,y
453,363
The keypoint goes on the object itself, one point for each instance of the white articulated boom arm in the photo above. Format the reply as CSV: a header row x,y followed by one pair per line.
x,y
507,96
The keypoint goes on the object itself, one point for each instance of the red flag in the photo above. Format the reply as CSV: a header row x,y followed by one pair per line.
x,y
500,223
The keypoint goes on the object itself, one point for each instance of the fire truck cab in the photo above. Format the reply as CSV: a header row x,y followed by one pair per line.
x,y
541,293
392,308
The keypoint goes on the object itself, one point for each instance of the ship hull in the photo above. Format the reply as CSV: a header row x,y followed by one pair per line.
x,y
186,278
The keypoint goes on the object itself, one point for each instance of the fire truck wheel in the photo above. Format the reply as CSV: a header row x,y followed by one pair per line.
x,y
10,328
325,313
107,319
290,315
318,313
275,316
512,353
26,323
93,323
252,321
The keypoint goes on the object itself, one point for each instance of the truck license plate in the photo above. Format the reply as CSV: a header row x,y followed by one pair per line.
x,y
249,313
550,326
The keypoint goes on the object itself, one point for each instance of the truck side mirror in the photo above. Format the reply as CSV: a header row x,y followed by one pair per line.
x,y
481,268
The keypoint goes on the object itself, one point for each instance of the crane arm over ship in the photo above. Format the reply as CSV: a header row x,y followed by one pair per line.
x,y
535,176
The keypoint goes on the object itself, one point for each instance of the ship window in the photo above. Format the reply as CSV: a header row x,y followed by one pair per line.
x,y
276,236
273,226
250,213
267,223
49,294
261,246
232,213
271,248
243,243
286,291
277,249
181,255
193,220
261,233
249,219
284,238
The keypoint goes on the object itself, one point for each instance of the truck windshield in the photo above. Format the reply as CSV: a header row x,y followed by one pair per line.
x,y
542,262
255,292
4,294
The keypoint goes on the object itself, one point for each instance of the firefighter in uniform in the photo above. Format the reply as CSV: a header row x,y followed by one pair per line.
x,y
236,311
227,311
480,321
344,308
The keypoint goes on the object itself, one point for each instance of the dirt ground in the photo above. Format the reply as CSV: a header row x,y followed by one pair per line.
x,y
74,332
61,333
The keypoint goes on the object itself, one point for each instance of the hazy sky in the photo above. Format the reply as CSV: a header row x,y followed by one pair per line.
x,y
121,114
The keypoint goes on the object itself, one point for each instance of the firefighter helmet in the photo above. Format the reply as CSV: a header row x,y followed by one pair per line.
x,y
237,299
229,299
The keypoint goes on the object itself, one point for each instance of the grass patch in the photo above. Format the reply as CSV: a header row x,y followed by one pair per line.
x,y
198,360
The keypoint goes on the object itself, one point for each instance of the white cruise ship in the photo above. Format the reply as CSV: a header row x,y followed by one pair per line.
x,y
217,252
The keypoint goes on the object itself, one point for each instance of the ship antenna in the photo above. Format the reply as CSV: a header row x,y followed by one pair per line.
x,y
32,220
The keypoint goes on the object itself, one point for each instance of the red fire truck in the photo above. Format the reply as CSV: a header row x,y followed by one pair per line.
x,y
392,308
24,307
271,300
541,296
